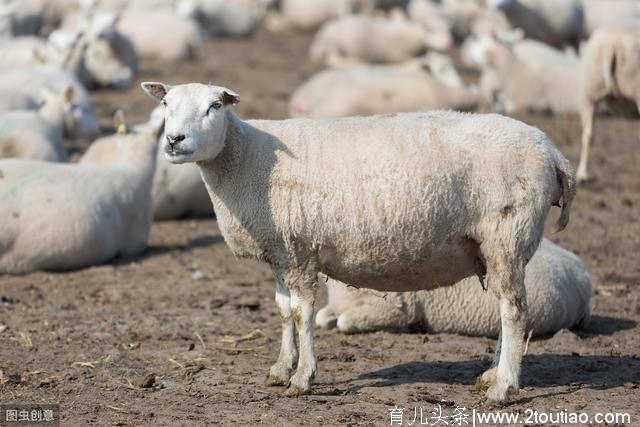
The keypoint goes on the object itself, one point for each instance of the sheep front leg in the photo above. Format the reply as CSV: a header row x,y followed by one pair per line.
x,y
281,371
586,115
303,294
506,277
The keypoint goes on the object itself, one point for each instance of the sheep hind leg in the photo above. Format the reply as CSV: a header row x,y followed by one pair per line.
x,y
586,115
505,274
282,370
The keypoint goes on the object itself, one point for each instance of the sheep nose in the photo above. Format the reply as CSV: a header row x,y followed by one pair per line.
x,y
172,139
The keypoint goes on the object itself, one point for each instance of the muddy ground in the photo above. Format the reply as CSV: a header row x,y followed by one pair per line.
x,y
140,342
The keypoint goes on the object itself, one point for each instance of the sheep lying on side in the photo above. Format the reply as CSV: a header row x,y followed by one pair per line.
x,y
558,23
558,293
93,212
160,34
611,64
378,202
359,38
38,134
381,89
177,190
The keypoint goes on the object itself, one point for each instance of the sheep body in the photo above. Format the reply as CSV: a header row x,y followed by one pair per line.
x,y
558,294
93,212
378,202
611,63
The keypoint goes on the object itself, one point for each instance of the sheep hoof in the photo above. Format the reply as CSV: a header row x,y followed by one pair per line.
x,y
584,179
485,381
295,391
497,396
273,381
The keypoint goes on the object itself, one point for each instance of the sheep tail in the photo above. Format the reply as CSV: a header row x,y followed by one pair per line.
x,y
567,183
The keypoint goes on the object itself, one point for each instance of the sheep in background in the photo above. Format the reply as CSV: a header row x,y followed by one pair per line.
x,y
558,294
423,84
559,23
160,34
235,18
333,196
606,13
308,15
358,38
527,76
437,26
38,134
611,64
67,216
177,190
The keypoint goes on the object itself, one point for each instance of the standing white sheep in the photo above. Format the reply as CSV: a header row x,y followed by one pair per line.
x,y
66,216
558,294
378,202
611,64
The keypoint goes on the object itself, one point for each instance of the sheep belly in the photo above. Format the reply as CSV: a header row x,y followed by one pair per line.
x,y
452,261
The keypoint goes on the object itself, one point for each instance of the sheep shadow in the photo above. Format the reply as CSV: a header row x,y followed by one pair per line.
x,y
157,250
538,370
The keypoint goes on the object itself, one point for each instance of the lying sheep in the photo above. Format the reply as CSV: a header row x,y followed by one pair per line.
x,y
358,38
381,89
378,202
231,18
529,78
93,212
611,61
437,26
38,134
558,23
606,13
558,293
160,34
177,190
307,15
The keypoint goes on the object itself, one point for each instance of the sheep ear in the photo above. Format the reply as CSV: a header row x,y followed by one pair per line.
x,y
229,97
120,123
156,89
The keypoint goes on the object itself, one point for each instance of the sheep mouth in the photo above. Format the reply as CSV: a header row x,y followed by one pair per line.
x,y
176,152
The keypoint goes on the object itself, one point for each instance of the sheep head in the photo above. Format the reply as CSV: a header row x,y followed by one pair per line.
x,y
195,117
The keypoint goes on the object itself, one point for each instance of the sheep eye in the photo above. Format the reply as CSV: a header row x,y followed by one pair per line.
x,y
216,105
164,103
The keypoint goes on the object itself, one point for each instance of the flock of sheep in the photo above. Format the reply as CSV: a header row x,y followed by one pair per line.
x,y
421,210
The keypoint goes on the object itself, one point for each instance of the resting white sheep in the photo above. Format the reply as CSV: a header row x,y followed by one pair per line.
x,y
528,77
611,64
38,134
306,15
558,294
67,216
378,202
378,89
606,13
359,38
235,18
559,23
161,34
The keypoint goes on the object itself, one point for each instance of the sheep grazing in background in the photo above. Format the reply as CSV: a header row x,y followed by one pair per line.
x,y
606,13
161,34
420,85
38,134
67,216
357,38
558,294
177,190
558,23
379,202
527,76
611,64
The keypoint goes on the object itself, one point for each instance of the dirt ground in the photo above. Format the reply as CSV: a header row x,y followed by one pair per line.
x,y
140,342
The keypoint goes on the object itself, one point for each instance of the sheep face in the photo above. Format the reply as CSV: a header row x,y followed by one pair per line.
x,y
195,119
